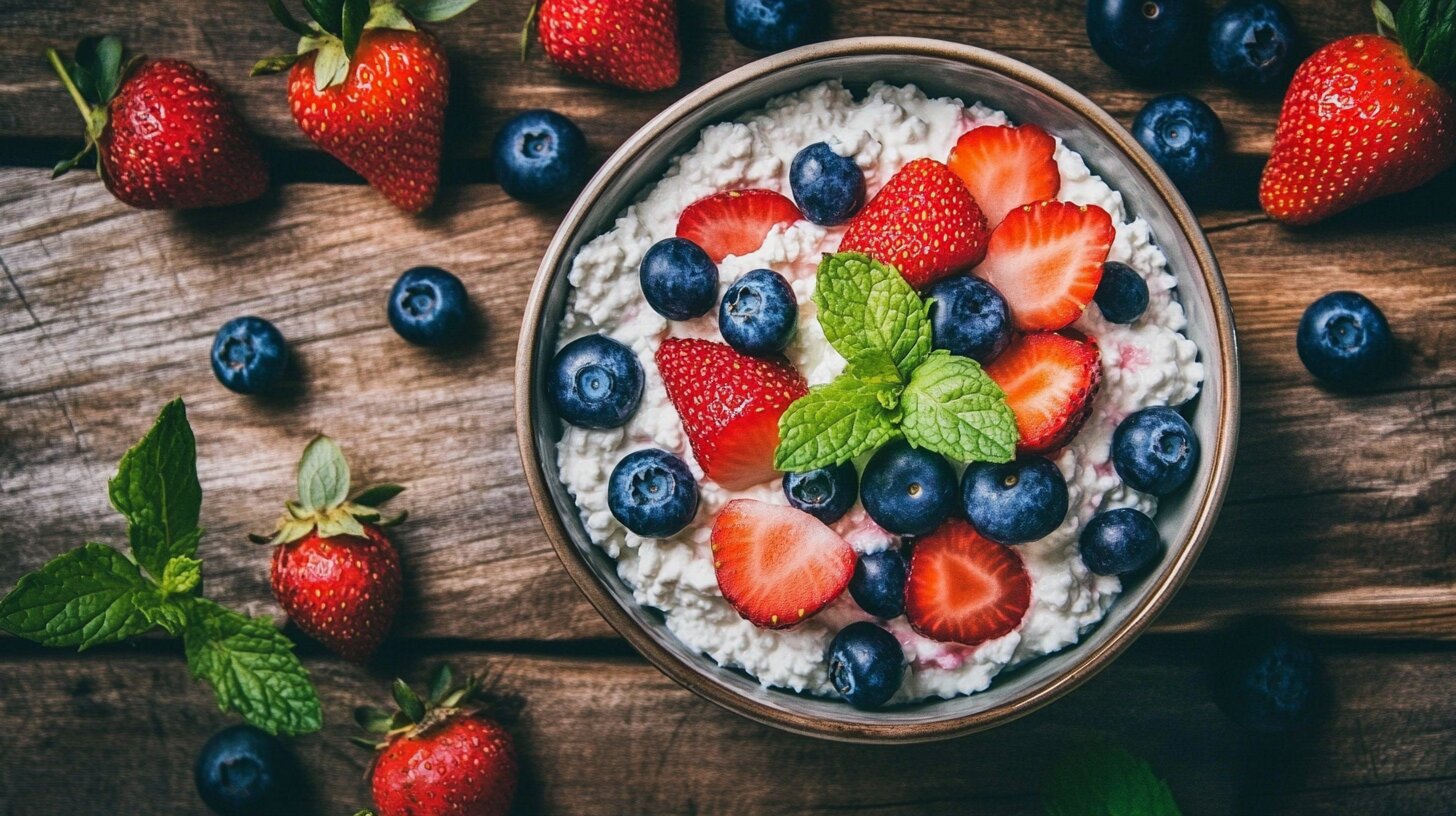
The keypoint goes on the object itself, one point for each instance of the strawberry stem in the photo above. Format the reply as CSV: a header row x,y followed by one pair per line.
x,y
70,83
526,30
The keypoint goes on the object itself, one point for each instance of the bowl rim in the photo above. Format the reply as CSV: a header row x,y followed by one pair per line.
x,y
1092,658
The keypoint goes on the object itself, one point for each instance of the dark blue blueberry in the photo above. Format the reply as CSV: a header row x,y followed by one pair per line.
x,y
652,493
249,355
540,156
969,317
826,493
679,280
908,490
1155,450
1015,502
828,187
878,584
1122,296
1266,677
866,664
1251,44
1116,542
242,771
428,307
1345,340
1185,138
774,25
1151,39
759,313
595,382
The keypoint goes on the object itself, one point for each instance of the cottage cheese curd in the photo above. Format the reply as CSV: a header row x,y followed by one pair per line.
x,y
1147,363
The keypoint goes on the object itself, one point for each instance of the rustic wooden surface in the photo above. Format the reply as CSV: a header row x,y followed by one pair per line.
x,y
1340,517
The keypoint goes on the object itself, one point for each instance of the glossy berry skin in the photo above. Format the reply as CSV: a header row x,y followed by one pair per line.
x,y
759,313
249,355
540,157
1117,542
1144,38
678,279
595,382
429,307
866,664
1345,341
1251,44
1017,501
826,493
907,490
342,591
878,583
1184,136
775,25
243,771
969,317
1266,677
1155,450
1122,295
829,188
465,766
632,44
652,493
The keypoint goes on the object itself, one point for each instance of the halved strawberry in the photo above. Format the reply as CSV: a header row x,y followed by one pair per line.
x,y
1006,167
730,406
923,222
1049,380
1046,258
735,222
965,588
777,565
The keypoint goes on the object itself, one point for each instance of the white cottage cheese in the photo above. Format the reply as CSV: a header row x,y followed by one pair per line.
x,y
1148,363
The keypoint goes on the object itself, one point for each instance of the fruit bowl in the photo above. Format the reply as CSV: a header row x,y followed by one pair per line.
x,y
940,68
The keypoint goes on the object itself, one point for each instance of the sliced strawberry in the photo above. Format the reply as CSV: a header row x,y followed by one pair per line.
x,y
1046,258
777,565
923,222
730,406
1006,167
964,588
735,222
1049,381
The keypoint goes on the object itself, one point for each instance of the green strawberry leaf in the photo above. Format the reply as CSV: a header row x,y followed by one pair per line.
x,y
951,406
323,475
834,423
409,703
1105,780
375,495
99,60
1427,31
181,575
442,679
284,16
356,13
156,489
864,304
329,14
435,11
82,598
251,667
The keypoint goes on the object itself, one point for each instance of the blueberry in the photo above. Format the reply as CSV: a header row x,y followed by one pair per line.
x,y
774,25
652,493
866,664
907,490
1155,450
1185,138
758,313
540,156
1266,677
242,771
828,187
595,382
969,317
878,583
1015,502
1251,44
679,280
249,355
428,307
826,493
1122,296
1116,542
1150,39
1345,340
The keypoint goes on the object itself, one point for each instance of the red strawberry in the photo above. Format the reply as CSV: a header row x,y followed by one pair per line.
x,y
1050,381
778,565
735,222
923,222
730,406
628,43
1006,167
1046,259
964,588
164,134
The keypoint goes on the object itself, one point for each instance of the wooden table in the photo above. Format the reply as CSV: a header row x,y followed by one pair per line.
x,y
1341,517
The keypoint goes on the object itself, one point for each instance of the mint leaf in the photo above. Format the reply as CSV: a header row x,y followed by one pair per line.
x,y
181,575
87,596
323,475
1105,780
251,667
951,406
156,489
864,304
836,422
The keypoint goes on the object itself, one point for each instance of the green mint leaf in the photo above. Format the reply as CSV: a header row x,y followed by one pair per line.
x,y
87,596
181,575
434,11
156,489
836,422
864,304
323,475
1105,780
951,406
251,667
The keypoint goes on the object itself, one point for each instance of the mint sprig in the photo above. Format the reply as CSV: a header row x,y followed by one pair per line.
x,y
866,305
951,405
1105,780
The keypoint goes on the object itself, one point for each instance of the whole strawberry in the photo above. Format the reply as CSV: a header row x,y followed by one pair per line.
x,y
165,136
628,43
1366,116
334,571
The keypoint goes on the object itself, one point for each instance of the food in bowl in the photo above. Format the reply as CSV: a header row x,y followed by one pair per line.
x,y
862,369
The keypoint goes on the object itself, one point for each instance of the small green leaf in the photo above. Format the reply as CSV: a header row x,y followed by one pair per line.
x,y
274,64
330,65
356,13
951,406
834,423
441,681
338,524
106,71
864,304
65,166
372,719
1105,780
408,701
82,598
1427,31
284,16
181,575
156,489
323,475
329,14
375,495
251,667
435,11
